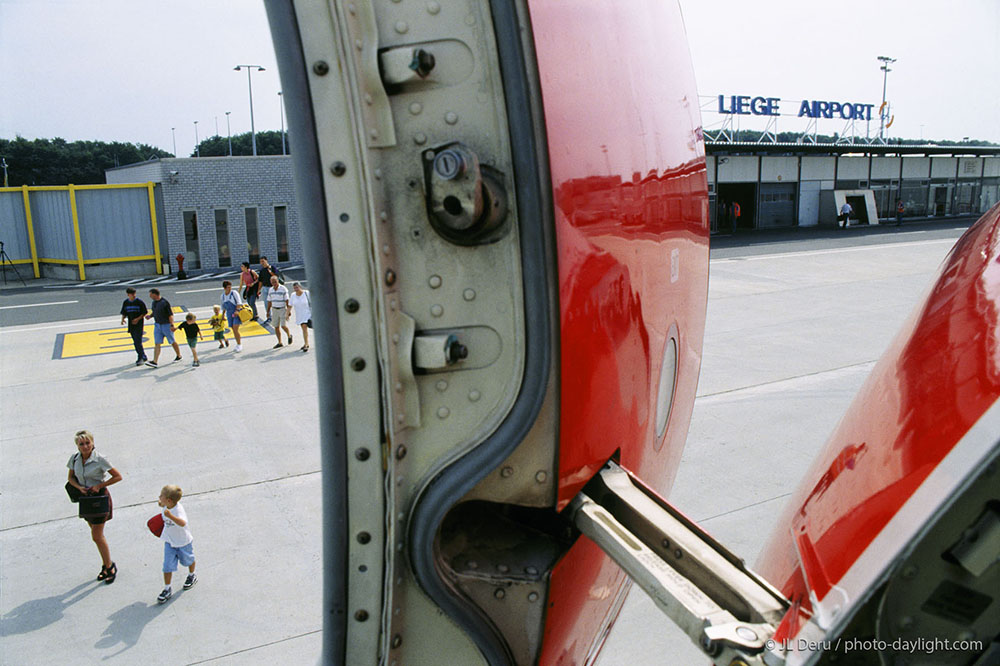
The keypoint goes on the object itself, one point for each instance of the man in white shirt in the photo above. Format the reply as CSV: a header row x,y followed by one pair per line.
x,y
277,299
845,213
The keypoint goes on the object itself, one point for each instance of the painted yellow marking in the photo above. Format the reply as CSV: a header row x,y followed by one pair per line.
x,y
111,340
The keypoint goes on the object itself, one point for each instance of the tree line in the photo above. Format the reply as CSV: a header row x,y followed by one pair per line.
x,y
61,162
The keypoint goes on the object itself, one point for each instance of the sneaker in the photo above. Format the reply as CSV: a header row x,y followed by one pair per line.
x,y
138,362
239,348
195,364
289,339
177,358
164,595
190,581
152,364
221,345
227,343
277,345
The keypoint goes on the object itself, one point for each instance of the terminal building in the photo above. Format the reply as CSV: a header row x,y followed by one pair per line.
x,y
220,211
777,185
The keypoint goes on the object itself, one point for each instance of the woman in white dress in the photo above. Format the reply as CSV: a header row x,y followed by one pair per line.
x,y
302,307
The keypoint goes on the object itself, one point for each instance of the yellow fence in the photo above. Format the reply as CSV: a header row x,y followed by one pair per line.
x,y
80,260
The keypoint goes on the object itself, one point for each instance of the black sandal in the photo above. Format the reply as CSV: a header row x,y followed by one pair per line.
x,y
103,574
112,572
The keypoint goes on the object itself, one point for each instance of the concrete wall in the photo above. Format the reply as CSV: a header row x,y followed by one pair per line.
x,y
779,169
885,168
943,167
737,169
916,167
143,172
852,168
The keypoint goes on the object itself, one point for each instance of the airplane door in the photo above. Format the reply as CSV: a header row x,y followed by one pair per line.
x,y
511,230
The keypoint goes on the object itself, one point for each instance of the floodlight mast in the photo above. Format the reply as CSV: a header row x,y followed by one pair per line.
x,y
253,132
886,61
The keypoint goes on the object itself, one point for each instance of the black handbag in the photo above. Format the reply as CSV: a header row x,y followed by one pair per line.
x,y
309,323
73,492
92,506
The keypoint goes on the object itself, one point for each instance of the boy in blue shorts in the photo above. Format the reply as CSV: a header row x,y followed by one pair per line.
x,y
163,326
177,541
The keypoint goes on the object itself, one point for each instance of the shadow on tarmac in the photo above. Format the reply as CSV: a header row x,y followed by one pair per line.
x,y
126,627
39,613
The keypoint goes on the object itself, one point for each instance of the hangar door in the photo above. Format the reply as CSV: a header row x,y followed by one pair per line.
x,y
777,205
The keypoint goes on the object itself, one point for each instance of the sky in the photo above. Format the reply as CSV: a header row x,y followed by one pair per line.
x,y
119,70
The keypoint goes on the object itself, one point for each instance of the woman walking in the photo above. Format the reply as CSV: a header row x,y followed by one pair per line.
x,y
231,302
251,284
87,472
302,307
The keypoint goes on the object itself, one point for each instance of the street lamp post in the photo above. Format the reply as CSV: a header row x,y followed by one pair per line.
x,y
173,135
229,134
253,133
886,61
281,109
197,147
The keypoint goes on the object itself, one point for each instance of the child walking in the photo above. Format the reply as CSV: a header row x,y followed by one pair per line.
x,y
177,541
218,323
193,334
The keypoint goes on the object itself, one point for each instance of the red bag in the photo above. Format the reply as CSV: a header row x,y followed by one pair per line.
x,y
155,525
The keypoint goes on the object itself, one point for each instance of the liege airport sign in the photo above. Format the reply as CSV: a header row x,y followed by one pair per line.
x,y
747,105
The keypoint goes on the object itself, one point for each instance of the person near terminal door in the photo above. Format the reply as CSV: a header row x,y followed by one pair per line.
x,y
736,214
133,311
845,215
900,209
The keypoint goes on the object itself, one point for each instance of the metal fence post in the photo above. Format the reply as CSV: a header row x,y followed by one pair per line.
x,y
31,230
76,230
152,221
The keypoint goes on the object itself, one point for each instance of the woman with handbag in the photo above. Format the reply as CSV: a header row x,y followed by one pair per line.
x,y
302,307
250,282
88,470
231,302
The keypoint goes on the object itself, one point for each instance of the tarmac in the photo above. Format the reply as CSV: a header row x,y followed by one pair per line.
x,y
792,331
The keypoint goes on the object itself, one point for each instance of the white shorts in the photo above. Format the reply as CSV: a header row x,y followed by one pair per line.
x,y
279,316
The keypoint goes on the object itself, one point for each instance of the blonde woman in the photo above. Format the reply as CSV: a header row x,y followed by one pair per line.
x,y
91,474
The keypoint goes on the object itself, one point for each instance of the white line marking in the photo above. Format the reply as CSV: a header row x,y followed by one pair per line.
x,y
36,305
13,329
136,280
195,291
811,253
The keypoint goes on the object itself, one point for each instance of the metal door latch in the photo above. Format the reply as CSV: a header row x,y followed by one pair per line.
x,y
431,352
